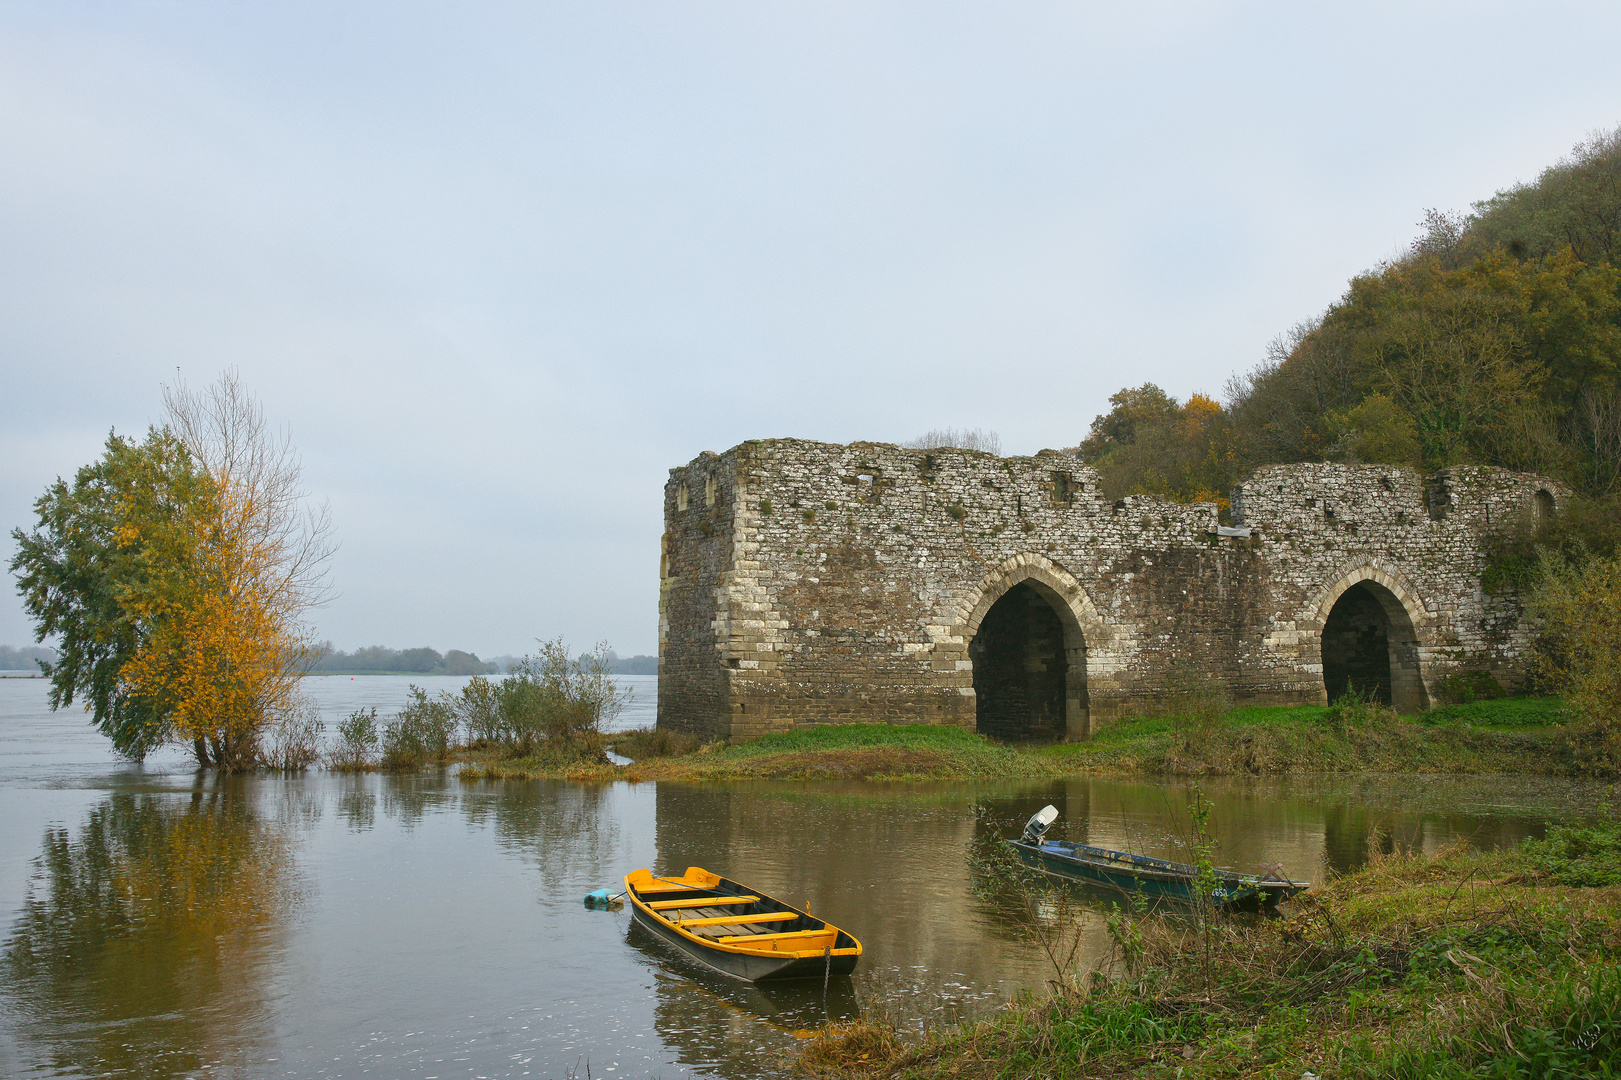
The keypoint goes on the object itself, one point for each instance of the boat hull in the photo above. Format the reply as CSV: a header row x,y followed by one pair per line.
x,y
1152,879
741,958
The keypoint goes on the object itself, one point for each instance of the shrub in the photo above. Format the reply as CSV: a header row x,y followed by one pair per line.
x,y
1468,686
356,747
420,733
295,737
1576,605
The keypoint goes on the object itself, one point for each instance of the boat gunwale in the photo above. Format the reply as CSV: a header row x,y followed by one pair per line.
x,y
645,913
1133,864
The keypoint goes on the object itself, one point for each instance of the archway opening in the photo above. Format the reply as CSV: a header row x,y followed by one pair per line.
x,y
1021,668
1371,650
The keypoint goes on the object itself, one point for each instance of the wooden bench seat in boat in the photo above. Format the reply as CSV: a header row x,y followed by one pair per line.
x,y
706,901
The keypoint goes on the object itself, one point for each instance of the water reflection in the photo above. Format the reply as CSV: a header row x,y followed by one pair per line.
x,y
149,939
714,1023
428,924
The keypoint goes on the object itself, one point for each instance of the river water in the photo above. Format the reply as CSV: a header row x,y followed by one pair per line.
x,y
157,922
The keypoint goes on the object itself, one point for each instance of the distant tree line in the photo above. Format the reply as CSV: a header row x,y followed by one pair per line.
x,y
25,659
631,665
380,659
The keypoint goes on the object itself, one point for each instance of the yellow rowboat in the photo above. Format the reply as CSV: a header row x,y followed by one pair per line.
x,y
738,931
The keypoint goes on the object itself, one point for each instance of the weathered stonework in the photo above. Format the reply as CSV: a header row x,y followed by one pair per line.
x,y
808,583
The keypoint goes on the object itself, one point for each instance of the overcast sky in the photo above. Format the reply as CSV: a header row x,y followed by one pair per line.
x,y
498,267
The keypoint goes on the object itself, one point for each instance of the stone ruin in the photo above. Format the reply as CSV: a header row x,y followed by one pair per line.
x,y
807,583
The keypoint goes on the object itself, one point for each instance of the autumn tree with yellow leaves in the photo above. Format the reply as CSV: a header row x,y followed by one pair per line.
x,y
176,574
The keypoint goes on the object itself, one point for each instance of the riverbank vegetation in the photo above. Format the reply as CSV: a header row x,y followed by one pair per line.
x,y
1450,964
548,710
1505,735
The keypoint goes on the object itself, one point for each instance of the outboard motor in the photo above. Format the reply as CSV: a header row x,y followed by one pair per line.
x,y
1037,826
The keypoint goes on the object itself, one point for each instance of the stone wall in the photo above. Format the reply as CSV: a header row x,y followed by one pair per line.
x,y
807,583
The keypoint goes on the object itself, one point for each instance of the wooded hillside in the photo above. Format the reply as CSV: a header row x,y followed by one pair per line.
x,y
1495,340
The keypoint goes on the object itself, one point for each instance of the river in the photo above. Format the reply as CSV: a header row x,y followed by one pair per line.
x,y
158,922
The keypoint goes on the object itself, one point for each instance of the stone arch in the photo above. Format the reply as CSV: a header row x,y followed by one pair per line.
x,y
1542,505
1009,604
1368,604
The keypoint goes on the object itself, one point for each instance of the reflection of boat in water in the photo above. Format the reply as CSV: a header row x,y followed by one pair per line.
x,y
794,1005
736,931
1142,875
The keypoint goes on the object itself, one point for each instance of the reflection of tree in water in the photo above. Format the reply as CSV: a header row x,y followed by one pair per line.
x,y
407,798
568,830
144,946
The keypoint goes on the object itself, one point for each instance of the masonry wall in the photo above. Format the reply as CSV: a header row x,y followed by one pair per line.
x,y
810,583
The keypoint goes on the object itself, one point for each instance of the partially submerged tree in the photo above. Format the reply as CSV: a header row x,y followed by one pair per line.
x,y
177,573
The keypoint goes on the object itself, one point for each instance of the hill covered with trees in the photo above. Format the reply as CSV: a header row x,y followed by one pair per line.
x,y
1494,340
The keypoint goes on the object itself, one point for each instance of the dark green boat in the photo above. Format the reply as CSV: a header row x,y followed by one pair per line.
x,y
1140,875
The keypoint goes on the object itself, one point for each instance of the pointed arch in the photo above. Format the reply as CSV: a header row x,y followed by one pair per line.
x,y
1371,607
1072,609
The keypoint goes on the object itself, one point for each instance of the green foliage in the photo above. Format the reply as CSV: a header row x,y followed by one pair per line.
x,y
1496,340
1569,1026
552,704
96,561
1151,444
1467,686
419,734
1376,431
1578,606
356,747
1581,855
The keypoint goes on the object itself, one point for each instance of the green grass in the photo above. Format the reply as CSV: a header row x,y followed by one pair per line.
x,y
1527,712
1456,964
1507,735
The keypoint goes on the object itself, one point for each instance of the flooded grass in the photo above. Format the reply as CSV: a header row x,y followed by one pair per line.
x,y
1455,964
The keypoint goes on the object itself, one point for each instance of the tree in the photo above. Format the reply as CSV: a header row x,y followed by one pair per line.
x,y
1150,444
103,549
177,574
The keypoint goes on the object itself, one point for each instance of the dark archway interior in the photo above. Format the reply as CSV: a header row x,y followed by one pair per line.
x,y
1020,668
1356,647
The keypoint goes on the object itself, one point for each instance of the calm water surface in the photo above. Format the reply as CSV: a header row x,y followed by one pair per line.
x,y
157,922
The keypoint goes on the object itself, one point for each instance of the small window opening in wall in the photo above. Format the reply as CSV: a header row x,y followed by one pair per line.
x,y
1328,515
709,491
1401,517
1384,482
1063,487
1542,505
681,497
1439,497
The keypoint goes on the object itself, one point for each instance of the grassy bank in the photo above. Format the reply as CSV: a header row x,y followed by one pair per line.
x,y
1460,964
1511,735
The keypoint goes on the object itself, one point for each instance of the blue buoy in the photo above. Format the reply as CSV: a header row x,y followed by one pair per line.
x,y
601,899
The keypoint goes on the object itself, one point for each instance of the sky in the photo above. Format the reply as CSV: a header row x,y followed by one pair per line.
x,y
498,267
